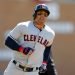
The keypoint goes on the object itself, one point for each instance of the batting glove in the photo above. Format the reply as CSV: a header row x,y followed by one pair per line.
x,y
42,68
26,50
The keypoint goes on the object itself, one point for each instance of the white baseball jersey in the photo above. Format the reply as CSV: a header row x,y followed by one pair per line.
x,y
28,35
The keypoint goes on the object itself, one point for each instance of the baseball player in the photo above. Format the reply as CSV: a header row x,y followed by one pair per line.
x,y
30,43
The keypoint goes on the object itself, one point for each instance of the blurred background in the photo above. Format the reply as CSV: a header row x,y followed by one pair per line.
x,y
61,20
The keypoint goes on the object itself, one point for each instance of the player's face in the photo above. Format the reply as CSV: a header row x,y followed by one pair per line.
x,y
41,17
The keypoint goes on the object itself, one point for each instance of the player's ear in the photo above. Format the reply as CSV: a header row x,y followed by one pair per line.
x,y
34,16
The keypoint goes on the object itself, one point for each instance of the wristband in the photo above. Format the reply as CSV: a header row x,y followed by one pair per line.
x,y
21,49
44,62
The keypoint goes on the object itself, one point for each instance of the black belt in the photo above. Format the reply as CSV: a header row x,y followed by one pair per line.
x,y
24,68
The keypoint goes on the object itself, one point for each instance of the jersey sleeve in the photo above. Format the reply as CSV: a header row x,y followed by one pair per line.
x,y
16,32
52,36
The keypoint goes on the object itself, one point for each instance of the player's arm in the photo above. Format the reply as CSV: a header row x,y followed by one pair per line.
x,y
48,61
46,54
12,44
43,67
47,51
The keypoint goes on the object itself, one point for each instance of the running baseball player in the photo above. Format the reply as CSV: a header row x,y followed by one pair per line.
x,y
31,42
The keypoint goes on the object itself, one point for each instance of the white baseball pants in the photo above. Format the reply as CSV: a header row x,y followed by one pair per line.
x,y
13,70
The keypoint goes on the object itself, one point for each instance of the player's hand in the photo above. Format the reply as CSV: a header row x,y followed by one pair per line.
x,y
28,50
42,68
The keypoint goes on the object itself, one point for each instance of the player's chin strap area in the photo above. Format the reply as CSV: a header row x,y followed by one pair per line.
x,y
25,68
